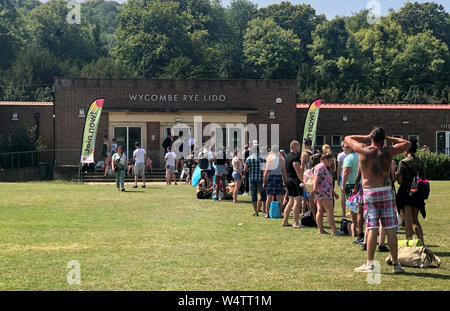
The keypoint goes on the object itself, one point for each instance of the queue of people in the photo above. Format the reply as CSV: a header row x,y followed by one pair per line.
x,y
366,174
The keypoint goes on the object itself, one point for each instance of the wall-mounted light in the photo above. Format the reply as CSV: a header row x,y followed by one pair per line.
x,y
14,116
405,122
271,114
344,118
81,112
178,120
278,100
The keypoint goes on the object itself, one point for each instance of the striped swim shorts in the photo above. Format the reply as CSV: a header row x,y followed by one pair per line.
x,y
379,207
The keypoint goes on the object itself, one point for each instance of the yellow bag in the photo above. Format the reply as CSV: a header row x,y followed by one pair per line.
x,y
410,243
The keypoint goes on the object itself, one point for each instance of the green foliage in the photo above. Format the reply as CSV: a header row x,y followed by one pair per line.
x,y
403,59
437,165
415,18
31,76
23,138
181,68
9,39
271,51
47,28
106,68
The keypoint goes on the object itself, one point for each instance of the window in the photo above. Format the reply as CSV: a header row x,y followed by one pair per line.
x,y
443,142
81,112
416,137
320,140
14,116
336,140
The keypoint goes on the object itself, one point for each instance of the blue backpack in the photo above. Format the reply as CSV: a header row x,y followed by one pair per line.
x,y
274,211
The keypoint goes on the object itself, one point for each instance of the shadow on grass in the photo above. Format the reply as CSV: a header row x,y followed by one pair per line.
x,y
135,191
442,254
429,275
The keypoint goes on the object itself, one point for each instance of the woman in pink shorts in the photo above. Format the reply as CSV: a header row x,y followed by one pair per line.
x,y
323,192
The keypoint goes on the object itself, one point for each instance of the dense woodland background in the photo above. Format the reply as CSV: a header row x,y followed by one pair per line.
x,y
403,59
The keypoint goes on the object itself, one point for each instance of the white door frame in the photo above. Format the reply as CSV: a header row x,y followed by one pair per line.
x,y
127,126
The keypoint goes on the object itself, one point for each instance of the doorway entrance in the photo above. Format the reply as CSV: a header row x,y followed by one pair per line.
x,y
127,136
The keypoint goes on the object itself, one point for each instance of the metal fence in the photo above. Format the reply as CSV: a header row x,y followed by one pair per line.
x,y
23,159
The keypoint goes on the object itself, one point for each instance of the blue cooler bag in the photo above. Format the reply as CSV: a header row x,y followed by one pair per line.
x,y
274,211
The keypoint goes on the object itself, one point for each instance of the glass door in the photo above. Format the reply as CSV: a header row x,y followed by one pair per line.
x,y
127,136
134,135
120,134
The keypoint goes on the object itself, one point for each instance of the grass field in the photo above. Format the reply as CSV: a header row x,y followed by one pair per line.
x,y
163,238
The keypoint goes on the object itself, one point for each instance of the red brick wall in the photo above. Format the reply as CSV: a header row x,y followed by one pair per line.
x,y
26,114
255,95
154,146
422,122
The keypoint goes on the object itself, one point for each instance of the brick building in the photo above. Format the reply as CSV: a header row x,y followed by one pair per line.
x,y
145,110
430,124
39,114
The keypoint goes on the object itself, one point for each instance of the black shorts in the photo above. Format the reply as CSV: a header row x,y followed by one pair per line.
x,y
294,189
210,173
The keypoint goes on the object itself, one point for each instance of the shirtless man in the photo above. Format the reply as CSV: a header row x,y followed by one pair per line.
x,y
379,200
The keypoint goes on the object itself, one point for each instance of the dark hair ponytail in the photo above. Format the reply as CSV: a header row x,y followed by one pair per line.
x,y
412,150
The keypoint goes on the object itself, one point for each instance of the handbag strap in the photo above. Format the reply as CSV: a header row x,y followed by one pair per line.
x,y
433,257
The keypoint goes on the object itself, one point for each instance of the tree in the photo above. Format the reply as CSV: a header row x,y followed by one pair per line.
x,y
9,36
31,76
47,28
106,68
150,34
270,51
357,21
379,46
301,19
238,14
182,68
423,62
336,57
415,18
23,138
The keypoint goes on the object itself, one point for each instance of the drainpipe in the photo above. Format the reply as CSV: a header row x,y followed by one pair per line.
x,y
54,130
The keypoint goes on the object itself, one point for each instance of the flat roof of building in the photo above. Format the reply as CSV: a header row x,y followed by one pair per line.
x,y
378,106
14,103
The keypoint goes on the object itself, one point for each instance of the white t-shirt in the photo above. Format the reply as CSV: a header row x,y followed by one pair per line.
x,y
140,155
113,148
170,158
123,158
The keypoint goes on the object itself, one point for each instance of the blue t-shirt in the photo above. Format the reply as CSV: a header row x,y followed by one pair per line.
x,y
351,161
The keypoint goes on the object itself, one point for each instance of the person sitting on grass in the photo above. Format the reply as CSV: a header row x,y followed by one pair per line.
x,y
204,189
323,192
130,168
